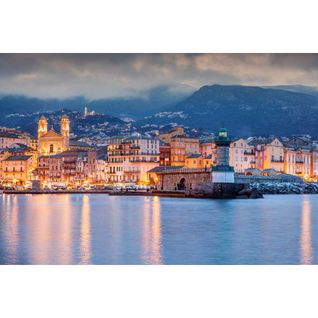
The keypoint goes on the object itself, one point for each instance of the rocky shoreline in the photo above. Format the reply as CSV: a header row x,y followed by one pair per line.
x,y
286,188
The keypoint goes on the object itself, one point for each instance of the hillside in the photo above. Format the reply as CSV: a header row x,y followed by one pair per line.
x,y
245,110
94,125
137,107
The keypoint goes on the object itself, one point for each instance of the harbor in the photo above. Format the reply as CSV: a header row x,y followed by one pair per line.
x,y
107,229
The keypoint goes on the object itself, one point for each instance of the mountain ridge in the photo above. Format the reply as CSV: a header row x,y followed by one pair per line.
x,y
246,110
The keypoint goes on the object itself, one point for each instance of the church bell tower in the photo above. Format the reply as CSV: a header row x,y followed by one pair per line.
x,y
65,130
42,127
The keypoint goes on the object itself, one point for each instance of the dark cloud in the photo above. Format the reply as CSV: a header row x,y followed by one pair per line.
x,y
112,75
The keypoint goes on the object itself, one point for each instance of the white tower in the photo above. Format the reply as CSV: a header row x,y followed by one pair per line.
x,y
222,172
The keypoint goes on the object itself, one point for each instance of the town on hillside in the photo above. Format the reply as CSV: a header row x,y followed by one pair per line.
x,y
56,160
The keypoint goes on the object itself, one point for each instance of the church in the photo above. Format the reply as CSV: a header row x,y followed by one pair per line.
x,y
51,142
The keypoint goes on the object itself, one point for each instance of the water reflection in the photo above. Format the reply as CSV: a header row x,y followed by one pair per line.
x,y
64,235
12,233
152,231
49,229
101,229
85,231
38,229
305,239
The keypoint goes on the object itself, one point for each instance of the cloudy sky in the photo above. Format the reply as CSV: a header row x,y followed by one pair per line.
x,y
124,75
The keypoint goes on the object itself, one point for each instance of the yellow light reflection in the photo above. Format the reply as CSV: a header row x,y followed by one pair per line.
x,y
38,229
85,232
49,229
305,239
64,238
152,231
13,233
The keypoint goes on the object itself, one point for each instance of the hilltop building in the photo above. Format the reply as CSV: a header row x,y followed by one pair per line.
x,y
88,113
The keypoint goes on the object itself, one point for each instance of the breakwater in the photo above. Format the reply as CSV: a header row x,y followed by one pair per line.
x,y
286,188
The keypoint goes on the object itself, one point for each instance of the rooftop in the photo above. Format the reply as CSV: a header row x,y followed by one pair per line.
x,y
165,168
9,135
51,133
78,143
17,158
195,155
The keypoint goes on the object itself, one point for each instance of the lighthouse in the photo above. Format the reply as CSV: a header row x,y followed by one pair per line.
x,y
222,172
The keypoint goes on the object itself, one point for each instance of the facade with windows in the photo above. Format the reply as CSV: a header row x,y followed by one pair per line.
x,y
242,155
129,159
51,142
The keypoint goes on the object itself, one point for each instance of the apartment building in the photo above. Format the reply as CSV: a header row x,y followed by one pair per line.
x,y
130,158
69,167
300,159
268,153
242,155
16,169
8,139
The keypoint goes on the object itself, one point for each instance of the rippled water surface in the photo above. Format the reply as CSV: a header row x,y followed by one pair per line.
x,y
102,229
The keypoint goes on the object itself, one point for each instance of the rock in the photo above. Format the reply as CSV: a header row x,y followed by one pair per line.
x,y
286,187
242,196
255,194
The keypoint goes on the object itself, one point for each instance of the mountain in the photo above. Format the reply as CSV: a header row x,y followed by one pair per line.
x,y
245,110
146,103
310,90
10,104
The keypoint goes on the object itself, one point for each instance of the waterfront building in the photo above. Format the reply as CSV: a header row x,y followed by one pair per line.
x,y
102,168
130,158
165,154
69,167
173,178
7,167
242,155
298,154
314,162
268,153
198,161
274,155
207,148
181,147
51,142
16,169
194,161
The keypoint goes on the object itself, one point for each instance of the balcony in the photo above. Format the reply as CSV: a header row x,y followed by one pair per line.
x,y
301,161
134,147
249,153
277,160
142,160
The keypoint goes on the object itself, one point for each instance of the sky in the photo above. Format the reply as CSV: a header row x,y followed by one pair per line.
x,y
125,75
